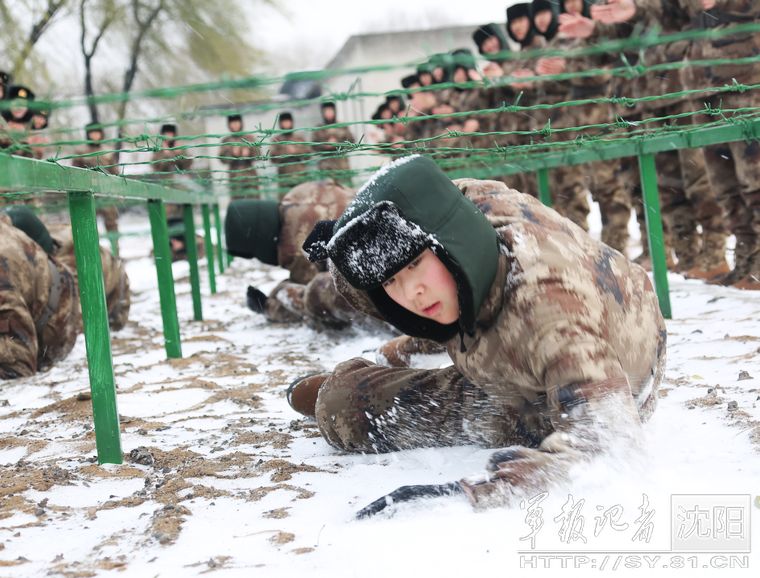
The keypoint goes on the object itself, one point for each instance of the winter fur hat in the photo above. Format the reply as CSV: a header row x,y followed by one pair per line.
x,y
405,208
285,116
410,80
18,92
486,31
91,128
518,11
23,218
542,6
252,229
233,117
5,78
168,128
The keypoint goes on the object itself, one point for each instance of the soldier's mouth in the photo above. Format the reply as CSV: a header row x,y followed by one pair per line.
x,y
433,309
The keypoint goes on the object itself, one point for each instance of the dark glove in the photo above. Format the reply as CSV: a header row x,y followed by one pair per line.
x,y
407,494
315,244
256,300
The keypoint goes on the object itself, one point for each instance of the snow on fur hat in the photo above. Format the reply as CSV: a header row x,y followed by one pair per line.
x,y
406,207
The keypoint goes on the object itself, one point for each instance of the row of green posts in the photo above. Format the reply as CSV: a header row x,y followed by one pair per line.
x,y
32,176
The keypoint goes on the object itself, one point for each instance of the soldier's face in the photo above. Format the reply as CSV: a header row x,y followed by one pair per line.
x,y
542,20
438,74
95,136
460,75
38,121
235,126
426,79
328,114
491,45
286,124
520,27
426,288
19,112
574,6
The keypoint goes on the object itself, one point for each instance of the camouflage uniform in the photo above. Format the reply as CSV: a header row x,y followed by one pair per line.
x,y
330,140
166,163
733,168
239,157
566,183
545,373
291,159
39,308
110,214
686,197
115,280
307,295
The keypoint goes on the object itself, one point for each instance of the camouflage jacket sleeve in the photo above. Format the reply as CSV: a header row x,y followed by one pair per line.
x,y
746,9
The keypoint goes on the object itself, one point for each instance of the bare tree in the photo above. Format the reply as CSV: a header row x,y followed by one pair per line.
x,y
108,17
143,17
38,29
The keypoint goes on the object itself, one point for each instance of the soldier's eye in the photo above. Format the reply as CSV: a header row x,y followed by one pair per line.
x,y
388,282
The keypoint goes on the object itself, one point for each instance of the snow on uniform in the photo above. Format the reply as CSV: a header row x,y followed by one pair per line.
x,y
115,279
239,156
557,332
39,308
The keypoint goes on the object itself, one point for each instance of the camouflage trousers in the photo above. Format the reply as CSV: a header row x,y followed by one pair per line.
x,y
688,200
734,174
317,303
363,407
608,182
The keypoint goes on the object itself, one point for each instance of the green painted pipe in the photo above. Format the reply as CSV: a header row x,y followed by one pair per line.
x,y
206,213
544,194
218,226
97,335
163,258
192,258
648,171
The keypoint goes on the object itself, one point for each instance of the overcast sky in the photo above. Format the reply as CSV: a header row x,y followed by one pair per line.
x,y
307,33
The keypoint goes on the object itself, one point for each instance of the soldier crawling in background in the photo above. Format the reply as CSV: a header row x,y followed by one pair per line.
x,y
40,317
273,233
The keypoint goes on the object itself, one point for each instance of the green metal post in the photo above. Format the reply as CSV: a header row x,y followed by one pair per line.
x,y
218,227
97,336
544,194
648,171
209,248
163,257
192,258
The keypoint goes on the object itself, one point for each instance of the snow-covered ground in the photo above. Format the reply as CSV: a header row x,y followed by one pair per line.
x,y
221,477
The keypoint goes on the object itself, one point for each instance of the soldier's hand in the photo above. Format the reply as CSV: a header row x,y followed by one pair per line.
x,y
551,65
614,12
522,73
576,26
493,70
708,4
